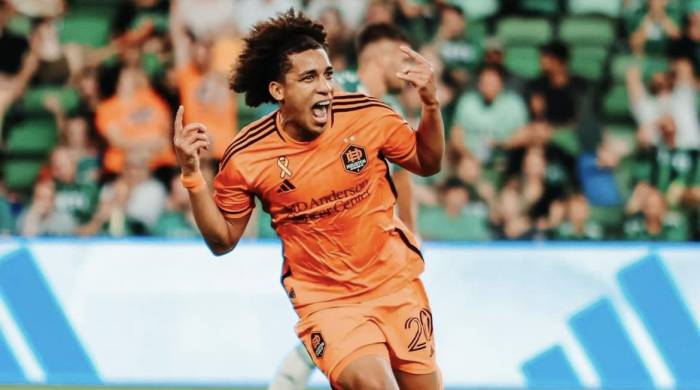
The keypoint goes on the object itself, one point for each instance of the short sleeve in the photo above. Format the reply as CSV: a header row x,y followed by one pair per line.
x,y
231,193
399,138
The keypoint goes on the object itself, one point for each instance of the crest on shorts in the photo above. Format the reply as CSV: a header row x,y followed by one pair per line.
x,y
354,158
317,344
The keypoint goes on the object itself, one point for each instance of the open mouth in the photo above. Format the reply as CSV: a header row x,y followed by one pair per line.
x,y
320,111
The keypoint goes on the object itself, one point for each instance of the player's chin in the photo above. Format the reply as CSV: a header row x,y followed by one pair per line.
x,y
317,124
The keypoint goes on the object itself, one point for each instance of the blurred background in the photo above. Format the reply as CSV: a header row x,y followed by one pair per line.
x,y
566,120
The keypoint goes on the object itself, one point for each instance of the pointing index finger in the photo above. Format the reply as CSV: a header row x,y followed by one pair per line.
x,y
178,119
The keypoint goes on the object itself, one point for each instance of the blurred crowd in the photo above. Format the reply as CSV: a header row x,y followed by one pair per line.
x,y
565,119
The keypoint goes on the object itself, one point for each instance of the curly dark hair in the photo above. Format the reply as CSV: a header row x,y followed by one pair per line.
x,y
266,54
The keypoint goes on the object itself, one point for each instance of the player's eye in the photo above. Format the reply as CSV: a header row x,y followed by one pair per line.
x,y
308,78
329,75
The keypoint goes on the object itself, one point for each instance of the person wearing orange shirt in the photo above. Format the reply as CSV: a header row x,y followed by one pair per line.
x,y
319,165
135,119
203,89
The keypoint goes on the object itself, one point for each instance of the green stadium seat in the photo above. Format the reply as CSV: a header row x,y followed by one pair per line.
x,y
32,135
476,9
523,61
588,61
616,103
86,28
524,31
649,64
33,99
21,174
587,31
544,7
619,65
609,8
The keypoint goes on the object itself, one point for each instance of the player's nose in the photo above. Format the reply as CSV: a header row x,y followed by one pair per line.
x,y
325,86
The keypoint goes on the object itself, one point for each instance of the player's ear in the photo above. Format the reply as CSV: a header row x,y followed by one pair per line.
x,y
276,90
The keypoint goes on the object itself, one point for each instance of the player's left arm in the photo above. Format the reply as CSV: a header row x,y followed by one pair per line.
x,y
430,136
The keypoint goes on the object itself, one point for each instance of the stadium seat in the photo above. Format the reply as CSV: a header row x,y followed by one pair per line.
x,y
616,104
86,28
33,99
609,8
523,61
619,65
476,9
588,61
21,174
32,135
649,64
543,7
587,31
524,31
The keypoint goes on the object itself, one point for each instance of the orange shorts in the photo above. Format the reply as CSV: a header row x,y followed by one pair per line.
x,y
397,326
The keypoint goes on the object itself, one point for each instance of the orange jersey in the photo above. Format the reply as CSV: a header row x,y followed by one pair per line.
x,y
331,200
144,116
208,100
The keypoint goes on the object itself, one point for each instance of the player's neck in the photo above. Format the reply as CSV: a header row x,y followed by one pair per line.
x,y
372,78
296,131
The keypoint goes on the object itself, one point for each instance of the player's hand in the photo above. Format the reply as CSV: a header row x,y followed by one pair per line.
x,y
421,76
190,141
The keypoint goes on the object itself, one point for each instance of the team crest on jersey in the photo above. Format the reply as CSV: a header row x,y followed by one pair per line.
x,y
317,344
354,158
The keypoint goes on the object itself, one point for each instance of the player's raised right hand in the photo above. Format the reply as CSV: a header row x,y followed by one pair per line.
x,y
189,142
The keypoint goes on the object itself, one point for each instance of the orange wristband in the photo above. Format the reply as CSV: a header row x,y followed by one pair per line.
x,y
193,182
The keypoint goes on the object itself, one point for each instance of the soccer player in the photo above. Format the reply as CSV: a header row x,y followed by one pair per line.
x,y
379,59
319,166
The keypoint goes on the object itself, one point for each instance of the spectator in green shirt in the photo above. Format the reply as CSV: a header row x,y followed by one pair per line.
x,y
61,205
648,218
177,220
457,217
577,224
487,118
79,139
668,167
461,55
652,27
